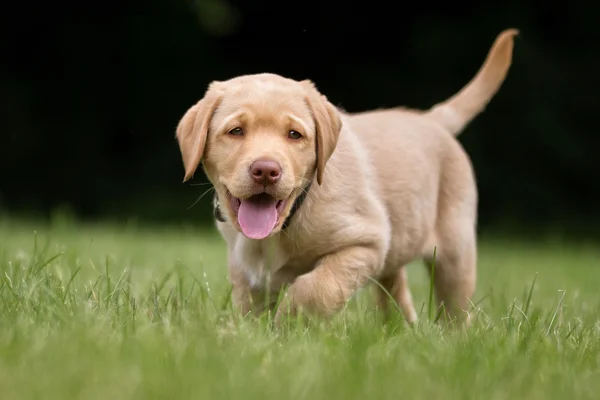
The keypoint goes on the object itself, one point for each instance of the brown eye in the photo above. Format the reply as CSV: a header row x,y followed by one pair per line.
x,y
294,135
236,132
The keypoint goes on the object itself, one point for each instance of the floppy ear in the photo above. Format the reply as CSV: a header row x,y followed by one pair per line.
x,y
328,125
192,131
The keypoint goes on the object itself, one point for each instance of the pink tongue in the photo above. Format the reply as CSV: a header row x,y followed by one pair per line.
x,y
257,216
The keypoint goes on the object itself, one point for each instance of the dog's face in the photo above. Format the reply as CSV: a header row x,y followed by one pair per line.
x,y
261,138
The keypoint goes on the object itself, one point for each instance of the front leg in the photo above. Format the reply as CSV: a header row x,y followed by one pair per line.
x,y
245,298
325,290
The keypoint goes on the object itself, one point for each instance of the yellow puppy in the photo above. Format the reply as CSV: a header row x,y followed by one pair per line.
x,y
322,200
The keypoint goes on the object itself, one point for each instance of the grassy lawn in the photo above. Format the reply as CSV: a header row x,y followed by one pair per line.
x,y
109,312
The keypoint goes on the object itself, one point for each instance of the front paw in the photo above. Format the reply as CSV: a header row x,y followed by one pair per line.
x,y
310,296
298,299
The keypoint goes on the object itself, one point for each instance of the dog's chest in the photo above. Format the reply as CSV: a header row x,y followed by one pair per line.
x,y
260,260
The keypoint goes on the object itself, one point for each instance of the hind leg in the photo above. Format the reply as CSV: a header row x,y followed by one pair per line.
x,y
455,269
397,287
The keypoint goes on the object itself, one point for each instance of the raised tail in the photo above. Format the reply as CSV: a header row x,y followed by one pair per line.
x,y
456,112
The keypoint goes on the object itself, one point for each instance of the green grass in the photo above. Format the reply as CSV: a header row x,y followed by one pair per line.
x,y
109,312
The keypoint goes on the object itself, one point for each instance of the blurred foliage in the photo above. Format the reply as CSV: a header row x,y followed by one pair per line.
x,y
91,96
217,17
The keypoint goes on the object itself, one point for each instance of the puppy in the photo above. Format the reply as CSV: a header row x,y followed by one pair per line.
x,y
322,202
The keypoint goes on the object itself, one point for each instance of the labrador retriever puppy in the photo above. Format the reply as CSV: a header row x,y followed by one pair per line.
x,y
321,202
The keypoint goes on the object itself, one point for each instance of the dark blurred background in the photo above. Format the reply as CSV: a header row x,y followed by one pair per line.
x,y
91,94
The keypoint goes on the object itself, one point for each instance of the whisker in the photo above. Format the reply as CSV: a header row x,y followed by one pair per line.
x,y
301,190
201,196
302,178
285,233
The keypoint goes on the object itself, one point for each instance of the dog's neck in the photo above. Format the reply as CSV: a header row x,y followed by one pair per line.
x,y
297,203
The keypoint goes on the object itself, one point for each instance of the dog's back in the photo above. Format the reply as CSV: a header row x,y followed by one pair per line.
x,y
414,152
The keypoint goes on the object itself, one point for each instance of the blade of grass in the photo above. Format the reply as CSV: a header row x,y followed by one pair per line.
x,y
73,275
431,283
46,263
530,295
558,306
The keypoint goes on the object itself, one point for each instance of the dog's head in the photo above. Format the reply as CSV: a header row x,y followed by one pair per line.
x,y
261,139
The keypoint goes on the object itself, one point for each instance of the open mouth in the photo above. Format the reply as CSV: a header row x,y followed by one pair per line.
x,y
257,215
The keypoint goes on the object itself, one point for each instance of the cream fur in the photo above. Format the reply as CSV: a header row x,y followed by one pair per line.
x,y
389,186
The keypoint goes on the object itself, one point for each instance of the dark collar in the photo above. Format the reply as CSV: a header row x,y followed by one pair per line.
x,y
297,203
